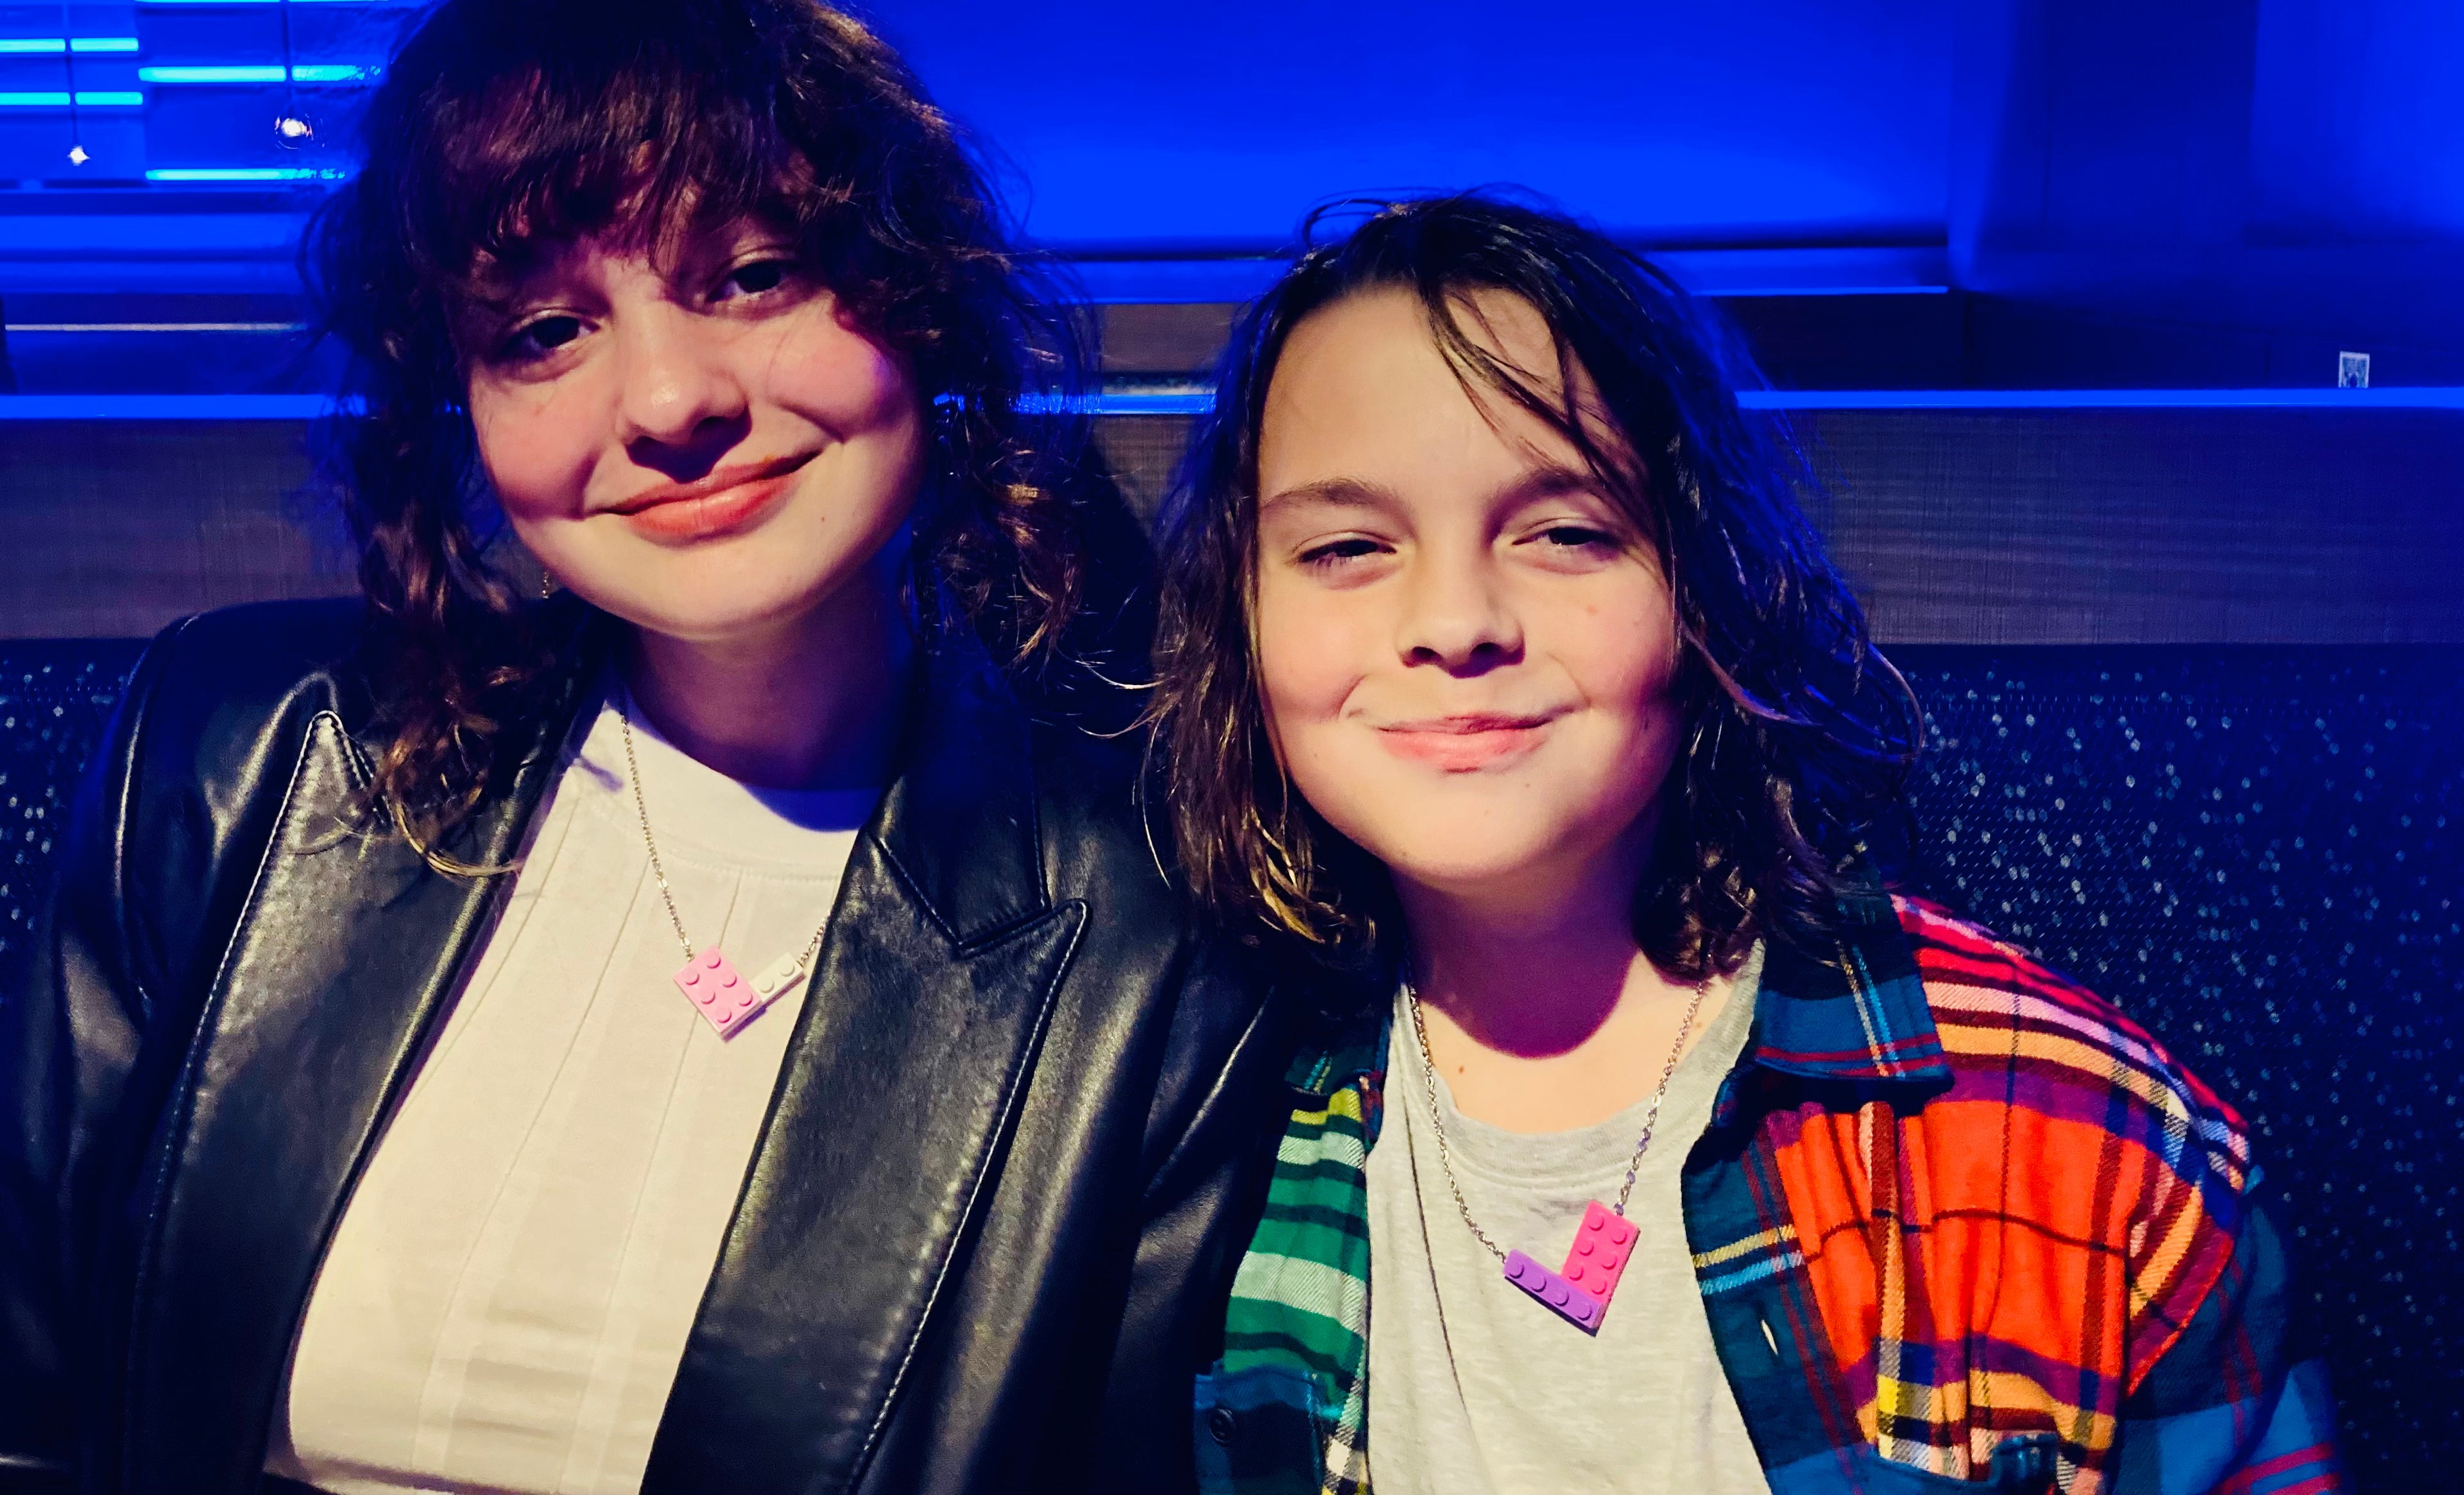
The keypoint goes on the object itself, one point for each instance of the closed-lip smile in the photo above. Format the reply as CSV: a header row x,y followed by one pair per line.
x,y
721,501
1466,741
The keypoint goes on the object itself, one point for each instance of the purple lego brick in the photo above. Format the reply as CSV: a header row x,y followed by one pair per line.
x,y
1562,1297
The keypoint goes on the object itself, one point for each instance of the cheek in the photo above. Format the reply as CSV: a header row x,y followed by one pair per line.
x,y
817,365
536,446
1623,651
1308,655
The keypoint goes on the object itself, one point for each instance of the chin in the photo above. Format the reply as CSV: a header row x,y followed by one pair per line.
x,y
713,613
1464,867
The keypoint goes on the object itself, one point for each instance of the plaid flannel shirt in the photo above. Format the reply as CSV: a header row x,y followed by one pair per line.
x,y
1956,1222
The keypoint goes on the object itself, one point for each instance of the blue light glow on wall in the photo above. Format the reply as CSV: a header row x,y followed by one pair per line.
x,y
1203,127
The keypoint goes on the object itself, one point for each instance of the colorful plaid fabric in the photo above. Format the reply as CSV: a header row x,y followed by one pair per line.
x,y
1953,1217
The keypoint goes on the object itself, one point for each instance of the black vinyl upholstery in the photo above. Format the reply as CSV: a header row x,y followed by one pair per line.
x,y
2255,850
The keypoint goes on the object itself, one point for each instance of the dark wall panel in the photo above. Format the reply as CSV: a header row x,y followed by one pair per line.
x,y
1958,526
113,528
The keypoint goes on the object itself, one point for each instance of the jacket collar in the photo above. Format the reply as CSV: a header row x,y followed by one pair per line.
x,y
960,823
1857,1017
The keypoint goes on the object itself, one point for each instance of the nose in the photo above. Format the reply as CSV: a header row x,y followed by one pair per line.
x,y
1456,615
676,392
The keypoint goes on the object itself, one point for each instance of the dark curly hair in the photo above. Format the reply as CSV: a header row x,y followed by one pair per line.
x,y
1800,735
503,123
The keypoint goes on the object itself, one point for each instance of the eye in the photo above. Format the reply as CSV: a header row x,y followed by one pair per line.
x,y
1578,537
1335,553
754,279
538,339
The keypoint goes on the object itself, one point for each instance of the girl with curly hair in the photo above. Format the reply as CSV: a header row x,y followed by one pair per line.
x,y
1645,1142
698,1014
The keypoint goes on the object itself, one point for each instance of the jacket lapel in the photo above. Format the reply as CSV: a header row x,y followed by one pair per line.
x,y
343,954
937,977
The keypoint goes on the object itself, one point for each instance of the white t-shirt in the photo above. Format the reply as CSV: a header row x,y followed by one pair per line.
x,y
1476,1389
513,1280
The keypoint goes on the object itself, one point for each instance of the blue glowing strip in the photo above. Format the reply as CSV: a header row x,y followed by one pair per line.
x,y
246,174
55,46
215,75
2426,397
164,406
256,73
88,100
1196,402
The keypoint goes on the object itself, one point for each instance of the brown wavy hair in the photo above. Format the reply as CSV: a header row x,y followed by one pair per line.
x,y
1800,735
502,123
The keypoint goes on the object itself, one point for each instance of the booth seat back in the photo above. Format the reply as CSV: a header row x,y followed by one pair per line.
x,y
2252,850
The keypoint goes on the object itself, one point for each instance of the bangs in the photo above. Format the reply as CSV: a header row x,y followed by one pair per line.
x,y
641,144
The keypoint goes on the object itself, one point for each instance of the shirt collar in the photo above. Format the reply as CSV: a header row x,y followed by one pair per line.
x,y
1856,1016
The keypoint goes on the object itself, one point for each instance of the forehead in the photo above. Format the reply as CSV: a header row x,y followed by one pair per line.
x,y
1364,390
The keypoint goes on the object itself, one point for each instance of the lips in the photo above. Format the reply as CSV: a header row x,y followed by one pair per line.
x,y
1466,743
726,501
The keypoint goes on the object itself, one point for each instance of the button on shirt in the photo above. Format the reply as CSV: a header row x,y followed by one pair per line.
x,y
508,1296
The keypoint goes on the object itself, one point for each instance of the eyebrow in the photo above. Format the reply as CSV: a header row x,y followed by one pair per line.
x,y
1352,491
1549,481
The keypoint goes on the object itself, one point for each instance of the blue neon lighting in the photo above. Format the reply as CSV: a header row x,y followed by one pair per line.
x,y
34,44
246,174
2420,397
103,99
165,407
103,44
250,73
260,73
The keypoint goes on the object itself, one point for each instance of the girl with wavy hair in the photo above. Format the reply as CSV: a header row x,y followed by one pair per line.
x,y
701,1014
1645,1142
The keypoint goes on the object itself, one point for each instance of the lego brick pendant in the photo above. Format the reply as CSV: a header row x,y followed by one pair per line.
x,y
724,997
1580,1294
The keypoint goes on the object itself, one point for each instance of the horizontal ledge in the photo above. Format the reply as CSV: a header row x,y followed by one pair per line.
x,y
155,326
1196,400
2423,397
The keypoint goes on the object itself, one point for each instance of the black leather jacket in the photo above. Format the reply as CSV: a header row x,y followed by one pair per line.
x,y
982,1245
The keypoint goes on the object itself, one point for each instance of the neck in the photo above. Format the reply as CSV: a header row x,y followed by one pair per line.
x,y
809,703
1531,976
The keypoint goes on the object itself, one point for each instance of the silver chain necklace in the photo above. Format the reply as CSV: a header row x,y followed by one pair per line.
x,y
714,987
1580,1294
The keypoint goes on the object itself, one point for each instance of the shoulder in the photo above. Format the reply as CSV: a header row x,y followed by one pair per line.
x,y
1093,821
216,678
2019,1035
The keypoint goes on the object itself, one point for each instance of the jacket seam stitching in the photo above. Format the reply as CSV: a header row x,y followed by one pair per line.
x,y
155,665
183,1099
1013,1093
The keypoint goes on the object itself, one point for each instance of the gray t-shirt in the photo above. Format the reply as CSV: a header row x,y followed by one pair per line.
x,y
1475,1388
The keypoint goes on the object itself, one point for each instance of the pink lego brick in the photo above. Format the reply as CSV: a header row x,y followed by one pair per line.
x,y
724,997
1601,1248
1562,1297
